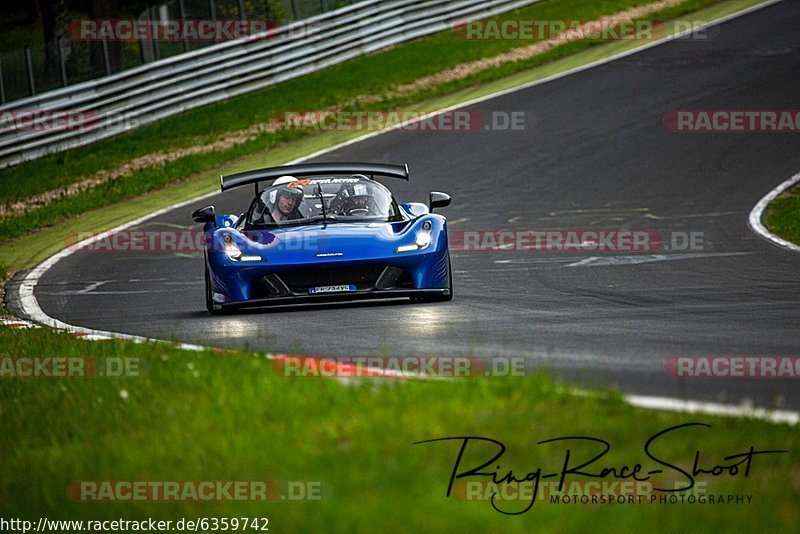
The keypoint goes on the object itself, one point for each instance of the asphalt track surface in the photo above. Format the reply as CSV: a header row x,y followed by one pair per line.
x,y
594,154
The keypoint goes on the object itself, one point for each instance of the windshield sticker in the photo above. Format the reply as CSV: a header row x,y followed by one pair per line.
x,y
335,180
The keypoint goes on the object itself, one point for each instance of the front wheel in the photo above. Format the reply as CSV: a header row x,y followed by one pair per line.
x,y
209,296
440,298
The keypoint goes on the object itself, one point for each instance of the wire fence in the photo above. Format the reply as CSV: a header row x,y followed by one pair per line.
x,y
68,60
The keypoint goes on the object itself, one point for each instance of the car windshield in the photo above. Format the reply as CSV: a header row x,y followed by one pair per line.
x,y
346,198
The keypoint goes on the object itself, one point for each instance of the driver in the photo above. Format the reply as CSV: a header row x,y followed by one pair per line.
x,y
354,199
285,200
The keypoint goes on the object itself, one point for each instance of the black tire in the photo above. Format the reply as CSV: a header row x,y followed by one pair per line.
x,y
440,298
449,296
209,299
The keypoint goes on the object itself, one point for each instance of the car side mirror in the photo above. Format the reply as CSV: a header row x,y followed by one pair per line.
x,y
205,215
439,200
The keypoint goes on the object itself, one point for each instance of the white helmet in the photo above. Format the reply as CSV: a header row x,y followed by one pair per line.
x,y
295,191
284,180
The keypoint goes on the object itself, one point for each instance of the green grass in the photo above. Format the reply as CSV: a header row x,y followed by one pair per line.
x,y
783,215
375,74
206,416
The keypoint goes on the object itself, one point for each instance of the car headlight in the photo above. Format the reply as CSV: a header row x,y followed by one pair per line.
x,y
233,252
422,241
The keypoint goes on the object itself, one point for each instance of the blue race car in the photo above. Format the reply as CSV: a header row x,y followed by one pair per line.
x,y
324,232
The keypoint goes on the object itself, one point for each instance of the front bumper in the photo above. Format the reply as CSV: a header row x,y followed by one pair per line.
x,y
372,294
241,284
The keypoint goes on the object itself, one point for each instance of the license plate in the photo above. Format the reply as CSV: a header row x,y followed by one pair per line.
x,y
332,289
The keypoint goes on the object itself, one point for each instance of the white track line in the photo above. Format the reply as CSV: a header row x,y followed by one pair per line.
x,y
711,408
613,261
757,215
31,306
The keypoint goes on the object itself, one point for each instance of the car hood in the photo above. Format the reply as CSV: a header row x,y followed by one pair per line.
x,y
334,241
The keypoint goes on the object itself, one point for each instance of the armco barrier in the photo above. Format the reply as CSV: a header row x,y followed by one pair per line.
x,y
170,86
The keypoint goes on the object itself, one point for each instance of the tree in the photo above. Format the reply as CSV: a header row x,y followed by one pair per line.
x,y
54,14
105,9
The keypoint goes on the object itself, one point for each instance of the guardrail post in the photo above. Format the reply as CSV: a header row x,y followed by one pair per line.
x,y
142,55
212,8
323,4
2,88
242,13
295,12
182,15
61,62
106,59
29,68
156,49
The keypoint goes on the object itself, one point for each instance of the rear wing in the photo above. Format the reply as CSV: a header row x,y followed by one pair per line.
x,y
312,169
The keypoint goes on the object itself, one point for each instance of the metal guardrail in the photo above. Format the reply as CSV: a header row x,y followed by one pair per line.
x,y
146,94
72,57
